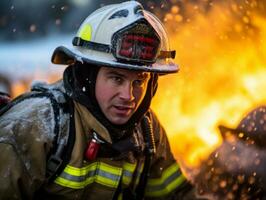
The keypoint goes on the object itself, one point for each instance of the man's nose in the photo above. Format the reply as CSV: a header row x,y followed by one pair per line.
x,y
126,92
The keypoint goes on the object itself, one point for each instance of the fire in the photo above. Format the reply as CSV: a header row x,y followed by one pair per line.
x,y
221,51
23,85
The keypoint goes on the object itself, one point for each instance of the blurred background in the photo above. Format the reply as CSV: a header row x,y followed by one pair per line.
x,y
220,47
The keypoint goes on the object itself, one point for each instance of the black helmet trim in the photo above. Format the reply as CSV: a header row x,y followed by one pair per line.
x,y
69,55
77,41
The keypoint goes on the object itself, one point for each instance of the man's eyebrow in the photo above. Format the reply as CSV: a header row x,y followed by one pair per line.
x,y
141,75
113,72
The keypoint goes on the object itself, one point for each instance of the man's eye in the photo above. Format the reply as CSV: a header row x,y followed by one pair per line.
x,y
139,82
117,79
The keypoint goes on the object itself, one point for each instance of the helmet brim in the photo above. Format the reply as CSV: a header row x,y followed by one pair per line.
x,y
69,55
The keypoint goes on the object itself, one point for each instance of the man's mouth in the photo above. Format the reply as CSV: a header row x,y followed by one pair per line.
x,y
123,110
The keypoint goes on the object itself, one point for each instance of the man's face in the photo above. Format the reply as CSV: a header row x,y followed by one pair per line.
x,y
119,92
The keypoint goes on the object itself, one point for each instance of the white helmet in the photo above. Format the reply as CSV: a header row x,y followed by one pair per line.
x,y
120,35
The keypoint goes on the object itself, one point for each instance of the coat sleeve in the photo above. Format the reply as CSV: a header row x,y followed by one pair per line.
x,y
166,180
26,134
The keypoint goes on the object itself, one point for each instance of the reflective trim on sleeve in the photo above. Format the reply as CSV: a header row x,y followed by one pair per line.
x,y
98,172
120,196
170,180
139,171
129,170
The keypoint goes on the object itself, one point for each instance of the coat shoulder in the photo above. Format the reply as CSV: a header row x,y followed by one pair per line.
x,y
33,115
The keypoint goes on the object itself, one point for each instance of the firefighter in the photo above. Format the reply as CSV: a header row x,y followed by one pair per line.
x,y
92,135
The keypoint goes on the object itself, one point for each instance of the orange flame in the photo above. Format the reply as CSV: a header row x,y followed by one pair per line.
x,y
223,68
23,85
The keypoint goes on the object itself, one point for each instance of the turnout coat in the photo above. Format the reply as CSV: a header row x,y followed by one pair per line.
x,y
31,128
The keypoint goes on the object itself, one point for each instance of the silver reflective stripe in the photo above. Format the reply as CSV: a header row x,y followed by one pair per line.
x,y
130,170
99,172
127,173
170,179
90,174
108,175
166,182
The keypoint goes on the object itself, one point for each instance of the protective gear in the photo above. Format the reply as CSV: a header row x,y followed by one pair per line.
x,y
23,169
107,174
123,36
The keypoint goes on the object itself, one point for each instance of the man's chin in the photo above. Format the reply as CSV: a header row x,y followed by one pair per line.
x,y
119,120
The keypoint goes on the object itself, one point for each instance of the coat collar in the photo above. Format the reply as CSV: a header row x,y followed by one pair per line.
x,y
89,122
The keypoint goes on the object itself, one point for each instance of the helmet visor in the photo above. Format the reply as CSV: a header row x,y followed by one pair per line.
x,y
137,48
137,43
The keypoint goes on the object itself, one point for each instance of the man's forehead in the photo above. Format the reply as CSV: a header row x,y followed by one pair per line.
x,y
140,74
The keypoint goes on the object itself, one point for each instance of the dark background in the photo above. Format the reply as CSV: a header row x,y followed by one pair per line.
x,y
27,19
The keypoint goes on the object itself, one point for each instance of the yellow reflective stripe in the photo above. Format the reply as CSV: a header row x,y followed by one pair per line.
x,y
80,171
168,188
98,172
167,172
120,196
169,181
91,167
71,184
129,166
140,169
110,168
128,171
